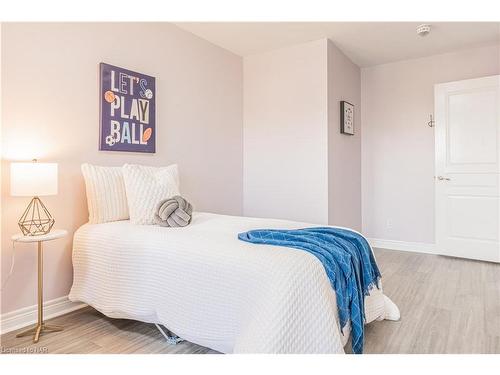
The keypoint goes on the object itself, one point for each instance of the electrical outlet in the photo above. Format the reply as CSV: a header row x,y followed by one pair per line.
x,y
389,224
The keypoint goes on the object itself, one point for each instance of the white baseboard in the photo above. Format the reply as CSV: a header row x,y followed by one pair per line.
x,y
28,315
416,247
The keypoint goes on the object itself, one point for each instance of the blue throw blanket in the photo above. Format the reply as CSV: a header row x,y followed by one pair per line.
x,y
348,262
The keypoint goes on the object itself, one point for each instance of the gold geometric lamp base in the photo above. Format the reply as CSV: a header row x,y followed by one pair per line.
x,y
36,219
38,330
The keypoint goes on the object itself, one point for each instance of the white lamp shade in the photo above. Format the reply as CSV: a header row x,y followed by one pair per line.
x,y
33,179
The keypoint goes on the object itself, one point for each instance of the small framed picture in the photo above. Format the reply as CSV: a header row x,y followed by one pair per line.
x,y
346,118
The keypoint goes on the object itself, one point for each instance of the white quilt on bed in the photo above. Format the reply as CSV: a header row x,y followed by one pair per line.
x,y
209,288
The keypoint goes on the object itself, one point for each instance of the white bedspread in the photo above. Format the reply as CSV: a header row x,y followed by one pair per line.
x,y
209,288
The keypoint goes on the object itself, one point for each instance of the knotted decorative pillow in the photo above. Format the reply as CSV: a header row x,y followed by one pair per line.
x,y
173,212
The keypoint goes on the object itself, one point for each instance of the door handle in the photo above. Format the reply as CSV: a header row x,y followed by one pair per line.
x,y
441,178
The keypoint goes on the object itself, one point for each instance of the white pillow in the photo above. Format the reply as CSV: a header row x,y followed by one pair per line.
x,y
106,196
146,187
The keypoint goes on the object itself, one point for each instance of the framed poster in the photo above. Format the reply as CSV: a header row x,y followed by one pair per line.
x,y
127,110
346,118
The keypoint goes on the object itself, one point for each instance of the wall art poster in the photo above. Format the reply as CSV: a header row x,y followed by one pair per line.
x,y
128,121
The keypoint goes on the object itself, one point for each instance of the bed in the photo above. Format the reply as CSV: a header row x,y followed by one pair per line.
x,y
212,289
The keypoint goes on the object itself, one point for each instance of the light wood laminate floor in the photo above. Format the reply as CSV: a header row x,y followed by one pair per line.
x,y
448,305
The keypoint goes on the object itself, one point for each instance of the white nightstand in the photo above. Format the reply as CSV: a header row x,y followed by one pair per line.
x,y
41,326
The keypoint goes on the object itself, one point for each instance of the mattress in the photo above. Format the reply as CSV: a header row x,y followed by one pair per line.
x,y
210,288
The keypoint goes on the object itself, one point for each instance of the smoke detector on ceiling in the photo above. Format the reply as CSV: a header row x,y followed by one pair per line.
x,y
423,29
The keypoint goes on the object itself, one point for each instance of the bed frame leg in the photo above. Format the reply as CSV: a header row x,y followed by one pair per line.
x,y
171,339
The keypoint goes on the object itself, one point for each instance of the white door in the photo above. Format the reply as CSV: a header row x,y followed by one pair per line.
x,y
467,168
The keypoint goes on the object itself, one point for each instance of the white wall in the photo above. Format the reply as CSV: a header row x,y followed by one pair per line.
x,y
344,151
397,144
285,133
50,85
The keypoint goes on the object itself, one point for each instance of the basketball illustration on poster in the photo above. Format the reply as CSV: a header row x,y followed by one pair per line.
x,y
128,119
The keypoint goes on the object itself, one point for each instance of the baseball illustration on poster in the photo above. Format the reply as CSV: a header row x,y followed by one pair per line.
x,y
128,119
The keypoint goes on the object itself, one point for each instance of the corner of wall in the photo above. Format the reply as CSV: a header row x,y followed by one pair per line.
x,y
285,127
344,151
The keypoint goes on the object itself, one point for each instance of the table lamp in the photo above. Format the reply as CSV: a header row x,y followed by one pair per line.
x,y
34,180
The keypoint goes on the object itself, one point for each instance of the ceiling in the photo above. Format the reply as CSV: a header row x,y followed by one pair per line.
x,y
365,43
